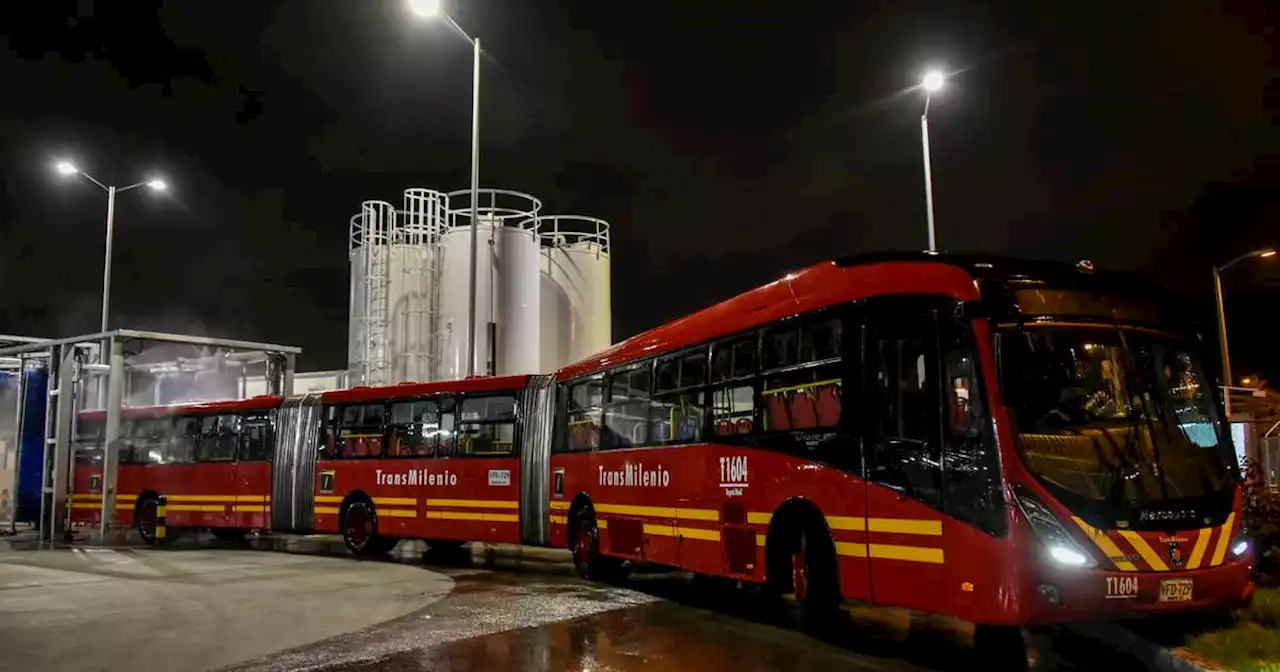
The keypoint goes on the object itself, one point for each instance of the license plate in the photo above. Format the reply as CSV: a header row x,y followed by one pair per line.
x,y
1122,587
1175,590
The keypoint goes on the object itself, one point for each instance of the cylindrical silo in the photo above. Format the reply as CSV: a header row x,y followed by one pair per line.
x,y
576,262
369,255
516,299
497,209
412,297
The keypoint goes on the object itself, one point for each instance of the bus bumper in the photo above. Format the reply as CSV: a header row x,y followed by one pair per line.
x,y
1067,594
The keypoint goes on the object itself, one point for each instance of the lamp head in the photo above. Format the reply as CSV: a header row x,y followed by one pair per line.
x,y
157,185
425,9
933,80
66,168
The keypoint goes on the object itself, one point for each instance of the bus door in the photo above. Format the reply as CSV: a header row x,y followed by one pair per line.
x,y
903,426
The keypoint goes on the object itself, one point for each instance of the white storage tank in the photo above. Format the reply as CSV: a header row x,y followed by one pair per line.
x,y
501,291
413,292
369,255
575,289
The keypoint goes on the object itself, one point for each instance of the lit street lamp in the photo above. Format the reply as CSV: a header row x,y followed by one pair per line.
x,y
430,9
933,81
67,168
1222,321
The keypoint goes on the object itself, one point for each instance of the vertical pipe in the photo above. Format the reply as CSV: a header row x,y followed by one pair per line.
x,y
475,203
111,439
928,178
1222,344
106,266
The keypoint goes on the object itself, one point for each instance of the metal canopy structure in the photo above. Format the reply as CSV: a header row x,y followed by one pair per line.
x,y
118,369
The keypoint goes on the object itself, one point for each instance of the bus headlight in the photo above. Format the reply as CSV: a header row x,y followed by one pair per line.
x,y
1239,548
1061,547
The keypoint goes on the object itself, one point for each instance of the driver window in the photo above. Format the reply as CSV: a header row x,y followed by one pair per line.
x,y
905,452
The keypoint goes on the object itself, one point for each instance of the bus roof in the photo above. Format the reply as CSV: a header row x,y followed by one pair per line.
x,y
845,279
195,408
821,285
357,395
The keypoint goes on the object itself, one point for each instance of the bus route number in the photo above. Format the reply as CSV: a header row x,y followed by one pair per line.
x,y
1122,587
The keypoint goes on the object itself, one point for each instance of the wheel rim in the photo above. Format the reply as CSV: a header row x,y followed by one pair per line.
x,y
799,581
359,526
147,519
583,549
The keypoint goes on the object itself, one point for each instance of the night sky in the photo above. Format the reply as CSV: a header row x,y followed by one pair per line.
x,y
726,142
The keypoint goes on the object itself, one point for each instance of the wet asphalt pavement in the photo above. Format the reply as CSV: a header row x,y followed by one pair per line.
x,y
523,609
544,618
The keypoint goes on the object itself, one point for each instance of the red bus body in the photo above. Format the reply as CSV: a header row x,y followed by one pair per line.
x,y
230,494
457,498
891,548
840,433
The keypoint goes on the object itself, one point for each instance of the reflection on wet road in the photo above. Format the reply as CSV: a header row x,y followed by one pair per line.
x,y
656,637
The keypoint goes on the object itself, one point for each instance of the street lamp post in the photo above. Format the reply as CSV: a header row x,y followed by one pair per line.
x,y
932,82
1222,322
68,168
428,9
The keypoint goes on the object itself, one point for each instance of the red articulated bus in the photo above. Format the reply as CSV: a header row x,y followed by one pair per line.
x,y
211,461
1005,441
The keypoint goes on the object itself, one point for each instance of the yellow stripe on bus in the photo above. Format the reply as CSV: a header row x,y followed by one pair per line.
x,y
851,549
659,512
473,503
849,523
329,499
1224,536
250,498
200,498
398,513
327,510
759,518
395,501
467,515
86,505
248,508
1107,546
905,526
1203,535
910,553
202,508
1144,549
559,506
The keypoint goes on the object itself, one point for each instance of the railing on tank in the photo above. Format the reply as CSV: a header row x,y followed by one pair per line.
x,y
568,230
504,207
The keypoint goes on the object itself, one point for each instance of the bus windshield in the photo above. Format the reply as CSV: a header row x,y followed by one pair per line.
x,y
1119,424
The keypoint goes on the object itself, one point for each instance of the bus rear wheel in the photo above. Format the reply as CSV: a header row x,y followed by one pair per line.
x,y
585,545
360,531
144,519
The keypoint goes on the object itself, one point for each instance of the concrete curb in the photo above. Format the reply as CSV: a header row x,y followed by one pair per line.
x,y
1156,657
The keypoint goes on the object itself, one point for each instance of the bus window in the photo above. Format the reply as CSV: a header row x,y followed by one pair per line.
x,y
360,431
256,437
415,428
807,392
905,453
733,410
88,442
626,413
185,436
972,470
677,417
219,438
734,360
488,425
586,401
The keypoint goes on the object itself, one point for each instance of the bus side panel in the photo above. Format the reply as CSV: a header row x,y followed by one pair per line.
x,y
464,499
198,495
86,494
252,490
710,501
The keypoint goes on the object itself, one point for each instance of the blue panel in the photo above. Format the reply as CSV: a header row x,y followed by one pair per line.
x,y
31,443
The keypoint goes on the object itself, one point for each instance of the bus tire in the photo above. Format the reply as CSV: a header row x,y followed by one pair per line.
x,y
144,520
360,529
584,543
1001,645
806,568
